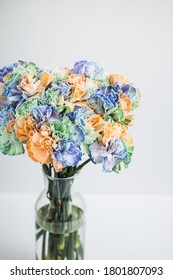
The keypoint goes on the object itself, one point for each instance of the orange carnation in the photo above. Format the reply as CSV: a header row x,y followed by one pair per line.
x,y
28,83
117,131
76,79
7,77
45,130
83,104
40,148
23,126
32,87
80,93
125,103
96,122
45,79
113,78
10,126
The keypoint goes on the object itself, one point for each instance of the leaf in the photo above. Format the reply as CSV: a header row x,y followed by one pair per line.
x,y
118,115
117,168
126,122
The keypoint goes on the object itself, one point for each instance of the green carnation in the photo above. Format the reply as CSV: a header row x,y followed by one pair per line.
x,y
9,144
29,68
61,129
60,75
28,105
90,135
58,101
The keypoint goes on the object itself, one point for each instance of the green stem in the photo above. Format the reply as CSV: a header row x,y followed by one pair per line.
x,y
43,245
81,252
39,234
65,245
46,169
83,164
70,249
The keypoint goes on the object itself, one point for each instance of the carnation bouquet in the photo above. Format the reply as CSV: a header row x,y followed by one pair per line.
x,y
65,118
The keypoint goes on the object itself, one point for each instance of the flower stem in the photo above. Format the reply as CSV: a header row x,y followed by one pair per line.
x,y
43,245
65,243
83,164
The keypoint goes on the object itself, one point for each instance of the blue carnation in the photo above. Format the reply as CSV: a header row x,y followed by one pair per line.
x,y
15,95
7,69
62,88
6,115
68,153
78,135
8,87
104,101
132,93
79,115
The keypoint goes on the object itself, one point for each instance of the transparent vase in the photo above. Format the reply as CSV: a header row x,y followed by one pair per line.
x,y
60,220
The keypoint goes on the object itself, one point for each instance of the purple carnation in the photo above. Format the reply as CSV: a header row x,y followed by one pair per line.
x,y
45,113
104,90
89,69
79,67
121,88
110,155
92,69
68,153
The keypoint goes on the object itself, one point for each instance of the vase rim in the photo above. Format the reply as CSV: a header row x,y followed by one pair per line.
x,y
57,178
65,178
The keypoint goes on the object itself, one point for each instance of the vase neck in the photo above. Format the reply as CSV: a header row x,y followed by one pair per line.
x,y
60,188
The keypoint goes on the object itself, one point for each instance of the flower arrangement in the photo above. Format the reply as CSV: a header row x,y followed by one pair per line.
x,y
65,118
63,115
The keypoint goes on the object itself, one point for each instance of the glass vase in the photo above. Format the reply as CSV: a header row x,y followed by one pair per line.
x,y
60,220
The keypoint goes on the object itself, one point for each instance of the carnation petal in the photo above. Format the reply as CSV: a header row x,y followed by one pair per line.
x,y
96,151
108,164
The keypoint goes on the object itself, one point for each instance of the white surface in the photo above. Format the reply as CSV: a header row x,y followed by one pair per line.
x,y
133,38
118,226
